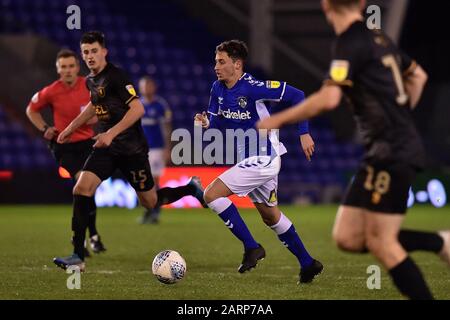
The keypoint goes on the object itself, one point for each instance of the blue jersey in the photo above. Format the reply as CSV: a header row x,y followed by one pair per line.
x,y
156,114
241,106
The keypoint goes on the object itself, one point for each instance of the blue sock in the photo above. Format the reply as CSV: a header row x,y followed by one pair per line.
x,y
233,221
289,237
295,245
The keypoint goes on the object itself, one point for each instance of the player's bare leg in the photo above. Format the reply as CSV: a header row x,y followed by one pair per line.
x,y
381,237
382,241
215,190
349,229
148,198
86,184
285,230
444,253
216,197
270,215
349,235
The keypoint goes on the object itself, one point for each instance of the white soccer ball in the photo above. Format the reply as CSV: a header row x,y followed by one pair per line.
x,y
169,266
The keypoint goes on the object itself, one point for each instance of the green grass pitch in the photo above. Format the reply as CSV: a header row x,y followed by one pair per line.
x,y
30,236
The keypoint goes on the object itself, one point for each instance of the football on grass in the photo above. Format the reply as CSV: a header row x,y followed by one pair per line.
x,y
169,266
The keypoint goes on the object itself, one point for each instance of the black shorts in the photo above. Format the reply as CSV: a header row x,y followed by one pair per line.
x,y
72,156
381,188
135,168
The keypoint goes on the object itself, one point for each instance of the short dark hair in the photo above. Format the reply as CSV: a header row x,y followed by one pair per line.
x,y
236,49
339,4
66,53
92,37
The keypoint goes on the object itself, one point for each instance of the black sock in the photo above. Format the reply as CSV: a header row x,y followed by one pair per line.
x,y
154,213
92,217
418,240
169,195
80,219
409,280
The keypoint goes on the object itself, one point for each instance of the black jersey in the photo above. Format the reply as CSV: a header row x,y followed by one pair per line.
x,y
111,92
370,70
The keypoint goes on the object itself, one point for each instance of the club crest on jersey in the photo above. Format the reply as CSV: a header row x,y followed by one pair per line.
x,y
242,102
339,70
101,91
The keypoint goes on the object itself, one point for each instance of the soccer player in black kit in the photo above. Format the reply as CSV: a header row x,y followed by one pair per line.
x,y
383,85
121,144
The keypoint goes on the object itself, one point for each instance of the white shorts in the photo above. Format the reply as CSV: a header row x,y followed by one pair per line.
x,y
157,163
255,176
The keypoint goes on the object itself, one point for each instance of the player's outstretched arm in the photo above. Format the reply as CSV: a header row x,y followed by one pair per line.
x,y
327,98
135,112
414,84
83,117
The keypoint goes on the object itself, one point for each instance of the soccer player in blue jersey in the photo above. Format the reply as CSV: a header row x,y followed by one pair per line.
x,y
157,125
238,101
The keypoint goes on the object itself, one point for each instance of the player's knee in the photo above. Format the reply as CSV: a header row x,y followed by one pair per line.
x,y
269,220
347,242
209,195
83,190
377,245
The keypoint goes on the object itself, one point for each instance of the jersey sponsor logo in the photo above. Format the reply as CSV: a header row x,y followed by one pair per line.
x,y
220,100
242,102
339,70
273,84
35,98
101,112
130,89
273,196
236,115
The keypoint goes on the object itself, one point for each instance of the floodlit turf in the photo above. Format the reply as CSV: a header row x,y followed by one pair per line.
x,y
30,236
